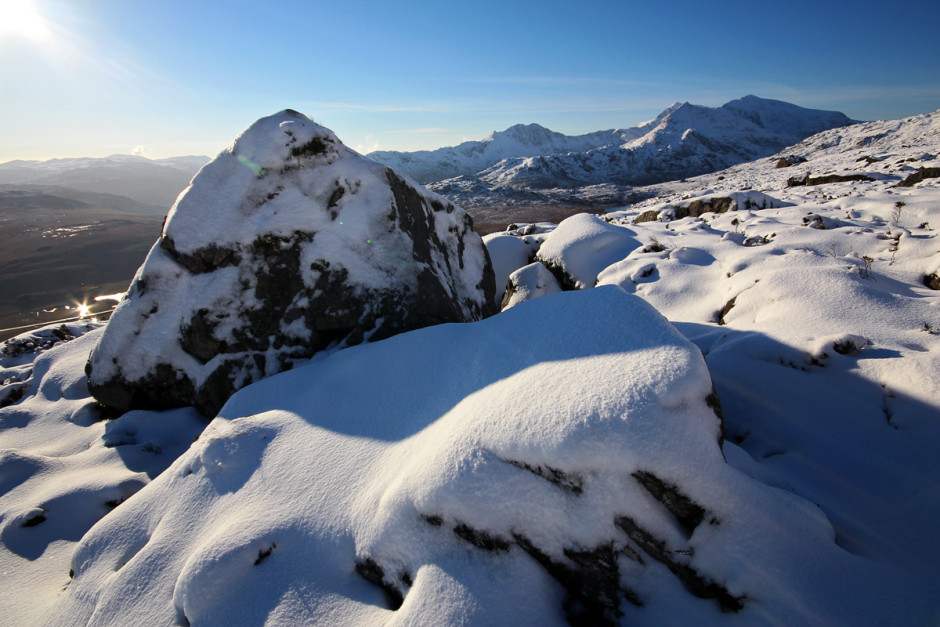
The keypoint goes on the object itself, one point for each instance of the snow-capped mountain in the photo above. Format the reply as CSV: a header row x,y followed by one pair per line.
x,y
716,406
150,181
687,141
469,158
684,140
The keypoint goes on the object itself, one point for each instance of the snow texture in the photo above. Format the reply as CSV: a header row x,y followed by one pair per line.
x,y
529,282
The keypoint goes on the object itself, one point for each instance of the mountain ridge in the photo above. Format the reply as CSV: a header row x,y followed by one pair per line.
x,y
683,140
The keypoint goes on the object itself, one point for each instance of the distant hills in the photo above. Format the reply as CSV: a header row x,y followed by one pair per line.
x,y
149,181
73,229
62,247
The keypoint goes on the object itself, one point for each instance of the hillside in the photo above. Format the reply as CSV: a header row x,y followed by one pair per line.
x,y
62,247
716,406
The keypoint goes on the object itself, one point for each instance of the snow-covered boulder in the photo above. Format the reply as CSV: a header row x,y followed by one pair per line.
x,y
287,243
528,282
509,253
572,472
582,246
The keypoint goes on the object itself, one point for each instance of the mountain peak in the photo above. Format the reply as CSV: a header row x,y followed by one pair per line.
x,y
527,134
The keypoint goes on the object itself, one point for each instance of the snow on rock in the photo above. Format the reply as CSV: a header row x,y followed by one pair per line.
x,y
583,474
582,246
509,253
285,244
528,282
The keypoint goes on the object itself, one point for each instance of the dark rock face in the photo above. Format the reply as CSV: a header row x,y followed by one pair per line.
x,y
286,244
921,175
696,208
806,179
932,280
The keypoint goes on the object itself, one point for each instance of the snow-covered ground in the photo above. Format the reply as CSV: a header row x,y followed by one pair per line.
x,y
561,459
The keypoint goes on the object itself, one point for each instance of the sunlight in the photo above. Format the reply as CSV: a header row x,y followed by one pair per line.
x,y
20,17
83,311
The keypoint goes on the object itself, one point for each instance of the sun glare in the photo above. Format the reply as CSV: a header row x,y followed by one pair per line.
x,y
21,18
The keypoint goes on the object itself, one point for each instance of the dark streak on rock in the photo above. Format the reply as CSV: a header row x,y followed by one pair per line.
x,y
369,570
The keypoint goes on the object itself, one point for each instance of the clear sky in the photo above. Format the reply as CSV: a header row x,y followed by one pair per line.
x,y
173,77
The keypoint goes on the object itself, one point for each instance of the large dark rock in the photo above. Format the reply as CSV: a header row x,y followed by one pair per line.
x,y
921,175
284,245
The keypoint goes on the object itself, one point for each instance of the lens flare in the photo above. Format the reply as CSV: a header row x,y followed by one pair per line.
x,y
20,18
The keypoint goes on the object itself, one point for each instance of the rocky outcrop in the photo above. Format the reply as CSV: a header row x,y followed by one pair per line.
x,y
284,245
921,175
932,280
700,206
806,179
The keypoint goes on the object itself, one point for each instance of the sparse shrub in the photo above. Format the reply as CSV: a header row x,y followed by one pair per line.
x,y
896,212
865,271
655,246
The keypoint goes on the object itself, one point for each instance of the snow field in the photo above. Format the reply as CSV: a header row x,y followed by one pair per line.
x,y
461,473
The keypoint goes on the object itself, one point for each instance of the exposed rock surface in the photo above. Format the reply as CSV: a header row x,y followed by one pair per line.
x,y
699,206
921,175
932,280
806,179
286,244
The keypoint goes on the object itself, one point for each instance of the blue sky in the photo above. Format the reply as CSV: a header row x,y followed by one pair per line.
x,y
168,77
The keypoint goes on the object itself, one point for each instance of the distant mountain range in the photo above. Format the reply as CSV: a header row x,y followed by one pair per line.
x,y
148,181
684,140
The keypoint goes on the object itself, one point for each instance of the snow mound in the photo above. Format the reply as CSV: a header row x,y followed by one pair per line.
x,y
509,253
285,244
582,474
528,282
582,246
